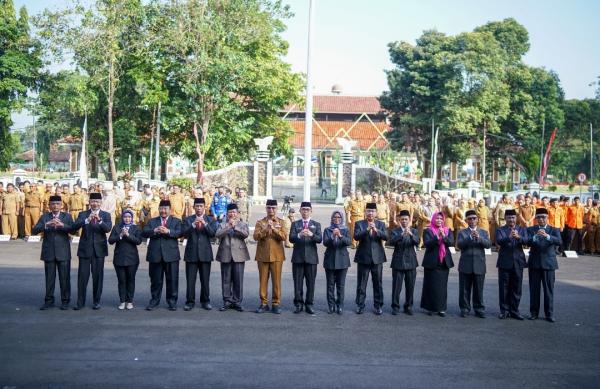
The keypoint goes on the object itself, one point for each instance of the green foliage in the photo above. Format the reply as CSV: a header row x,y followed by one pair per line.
x,y
19,67
183,182
552,188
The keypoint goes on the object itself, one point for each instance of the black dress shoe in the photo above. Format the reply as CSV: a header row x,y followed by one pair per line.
x,y
463,313
480,314
533,317
408,311
395,311
45,307
502,316
188,307
378,311
64,307
238,308
276,310
224,307
262,309
96,306
340,310
442,314
151,307
517,316
360,310
77,307
331,309
309,309
298,309
207,306
550,319
172,307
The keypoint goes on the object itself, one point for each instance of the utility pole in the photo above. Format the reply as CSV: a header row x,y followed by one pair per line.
x,y
157,153
483,163
308,116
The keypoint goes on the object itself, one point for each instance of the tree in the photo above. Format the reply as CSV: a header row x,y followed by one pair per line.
x,y
97,38
19,68
226,75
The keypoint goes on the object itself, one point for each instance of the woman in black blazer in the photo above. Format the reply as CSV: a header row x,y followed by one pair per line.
x,y
127,236
437,263
336,238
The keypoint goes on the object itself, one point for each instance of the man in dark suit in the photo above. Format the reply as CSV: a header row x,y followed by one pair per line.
x,y
198,229
163,255
56,252
305,234
472,242
543,240
405,241
232,254
92,249
511,260
370,256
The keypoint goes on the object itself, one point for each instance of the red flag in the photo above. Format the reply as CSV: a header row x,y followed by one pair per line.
x,y
546,161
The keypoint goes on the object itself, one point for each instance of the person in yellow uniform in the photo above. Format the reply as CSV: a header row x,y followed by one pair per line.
x,y
351,196
177,202
48,191
269,234
33,208
594,228
23,188
483,216
149,205
405,205
357,212
10,210
76,204
134,205
575,226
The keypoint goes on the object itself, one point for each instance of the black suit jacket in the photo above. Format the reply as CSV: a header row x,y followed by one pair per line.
x,y
542,254
198,248
126,251
92,242
305,248
430,259
163,246
472,252
56,244
336,252
511,253
370,246
405,254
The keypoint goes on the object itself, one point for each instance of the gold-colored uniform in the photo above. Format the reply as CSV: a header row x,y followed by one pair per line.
x,y
357,212
177,205
10,210
33,209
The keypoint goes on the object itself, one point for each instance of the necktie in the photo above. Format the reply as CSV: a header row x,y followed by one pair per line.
x,y
305,224
164,222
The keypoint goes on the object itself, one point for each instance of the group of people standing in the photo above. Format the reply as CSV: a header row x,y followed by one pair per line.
x,y
270,233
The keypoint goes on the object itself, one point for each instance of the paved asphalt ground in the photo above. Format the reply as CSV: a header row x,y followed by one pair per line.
x,y
111,348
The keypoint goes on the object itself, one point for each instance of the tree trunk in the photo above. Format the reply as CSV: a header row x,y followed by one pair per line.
x,y
111,148
200,163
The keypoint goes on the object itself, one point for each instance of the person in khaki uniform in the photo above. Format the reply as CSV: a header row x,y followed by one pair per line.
x,y
76,204
351,196
526,213
270,234
287,224
383,212
48,191
66,195
33,208
10,210
483,215
594,228
177,200
23,188
357,213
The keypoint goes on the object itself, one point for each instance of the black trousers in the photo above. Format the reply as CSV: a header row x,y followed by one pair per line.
x,y
541,278
336,282
191,271
232,282
304,273
409,277
510,285
96,265
126,282
574,239
468,283
64,279
168,271
362,274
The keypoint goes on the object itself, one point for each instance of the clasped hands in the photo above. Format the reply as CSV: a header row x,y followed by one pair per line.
x,y
161,230
56,223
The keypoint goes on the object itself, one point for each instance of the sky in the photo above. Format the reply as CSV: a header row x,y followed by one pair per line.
x,y
351,37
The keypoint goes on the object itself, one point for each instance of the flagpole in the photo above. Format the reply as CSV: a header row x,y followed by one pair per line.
x,y
83,172
308,116
542,150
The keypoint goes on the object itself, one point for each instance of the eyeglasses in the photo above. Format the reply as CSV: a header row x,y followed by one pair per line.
x,y
472,218
336,217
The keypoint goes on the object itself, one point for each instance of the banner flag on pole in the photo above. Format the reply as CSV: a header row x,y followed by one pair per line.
x,y
546,161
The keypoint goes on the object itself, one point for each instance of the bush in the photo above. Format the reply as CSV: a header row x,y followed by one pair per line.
x,y
525,187
183,182
552,188
571,187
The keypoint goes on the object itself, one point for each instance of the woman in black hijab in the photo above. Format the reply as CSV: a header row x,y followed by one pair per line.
x,y
336,262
